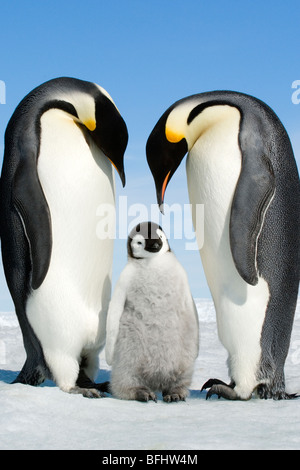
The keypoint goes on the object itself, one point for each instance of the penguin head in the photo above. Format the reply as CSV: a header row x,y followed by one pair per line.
x,y
147,240
165,152
110,131
176,133
92,107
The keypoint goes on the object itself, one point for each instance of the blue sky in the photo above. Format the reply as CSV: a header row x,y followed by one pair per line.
x,y
148,54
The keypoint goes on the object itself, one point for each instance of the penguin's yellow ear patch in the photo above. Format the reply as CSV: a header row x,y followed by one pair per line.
x,y
90,124
172,136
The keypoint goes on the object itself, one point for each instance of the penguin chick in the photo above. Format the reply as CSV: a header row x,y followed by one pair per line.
x,y
152,324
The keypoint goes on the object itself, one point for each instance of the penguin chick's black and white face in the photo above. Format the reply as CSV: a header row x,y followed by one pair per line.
x,y
147,240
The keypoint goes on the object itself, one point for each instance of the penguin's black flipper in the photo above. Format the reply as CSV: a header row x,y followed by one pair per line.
x,y
254,191
31,205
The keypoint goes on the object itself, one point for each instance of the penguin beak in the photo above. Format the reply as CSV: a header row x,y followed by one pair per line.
x,y
163,160
109,132
90,124
160,192
120,172
153,245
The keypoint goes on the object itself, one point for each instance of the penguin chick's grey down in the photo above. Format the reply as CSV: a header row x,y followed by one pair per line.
x,y
152,323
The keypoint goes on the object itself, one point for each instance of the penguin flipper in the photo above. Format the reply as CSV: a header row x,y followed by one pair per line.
x,y
31,205
253,194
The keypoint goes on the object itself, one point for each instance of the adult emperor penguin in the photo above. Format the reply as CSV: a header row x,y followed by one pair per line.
x,y
242,168
60,144
152,323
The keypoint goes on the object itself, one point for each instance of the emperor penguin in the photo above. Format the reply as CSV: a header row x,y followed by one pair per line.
x,y
152,323
241,167
60,145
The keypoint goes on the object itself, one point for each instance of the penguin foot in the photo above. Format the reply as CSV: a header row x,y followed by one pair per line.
x,y
144,394
31,375
221,389
265,392
177,394
291,396
102,387
87,392
173,397
84,382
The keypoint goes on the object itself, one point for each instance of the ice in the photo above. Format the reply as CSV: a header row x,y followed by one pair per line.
x,y
47,418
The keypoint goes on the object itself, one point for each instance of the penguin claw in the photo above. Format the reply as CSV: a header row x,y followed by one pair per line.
x,y
264,392
87,392
287,396
172,397
293,396
179,394
145,395
102,387
92,393
85,383
210,393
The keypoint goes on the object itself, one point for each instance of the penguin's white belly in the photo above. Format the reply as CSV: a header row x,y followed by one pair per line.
x,y
68,311
213,168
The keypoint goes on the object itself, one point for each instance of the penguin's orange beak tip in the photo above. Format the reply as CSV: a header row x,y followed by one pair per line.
x,y
121,173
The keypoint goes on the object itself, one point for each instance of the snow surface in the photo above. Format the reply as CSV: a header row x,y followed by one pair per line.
x,y
47,418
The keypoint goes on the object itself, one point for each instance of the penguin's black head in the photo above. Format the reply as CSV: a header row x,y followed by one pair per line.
x,y
91,107
110,133
147,240
164,155
175,134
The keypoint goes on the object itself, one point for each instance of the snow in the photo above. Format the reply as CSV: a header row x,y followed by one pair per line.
x,y
47,418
